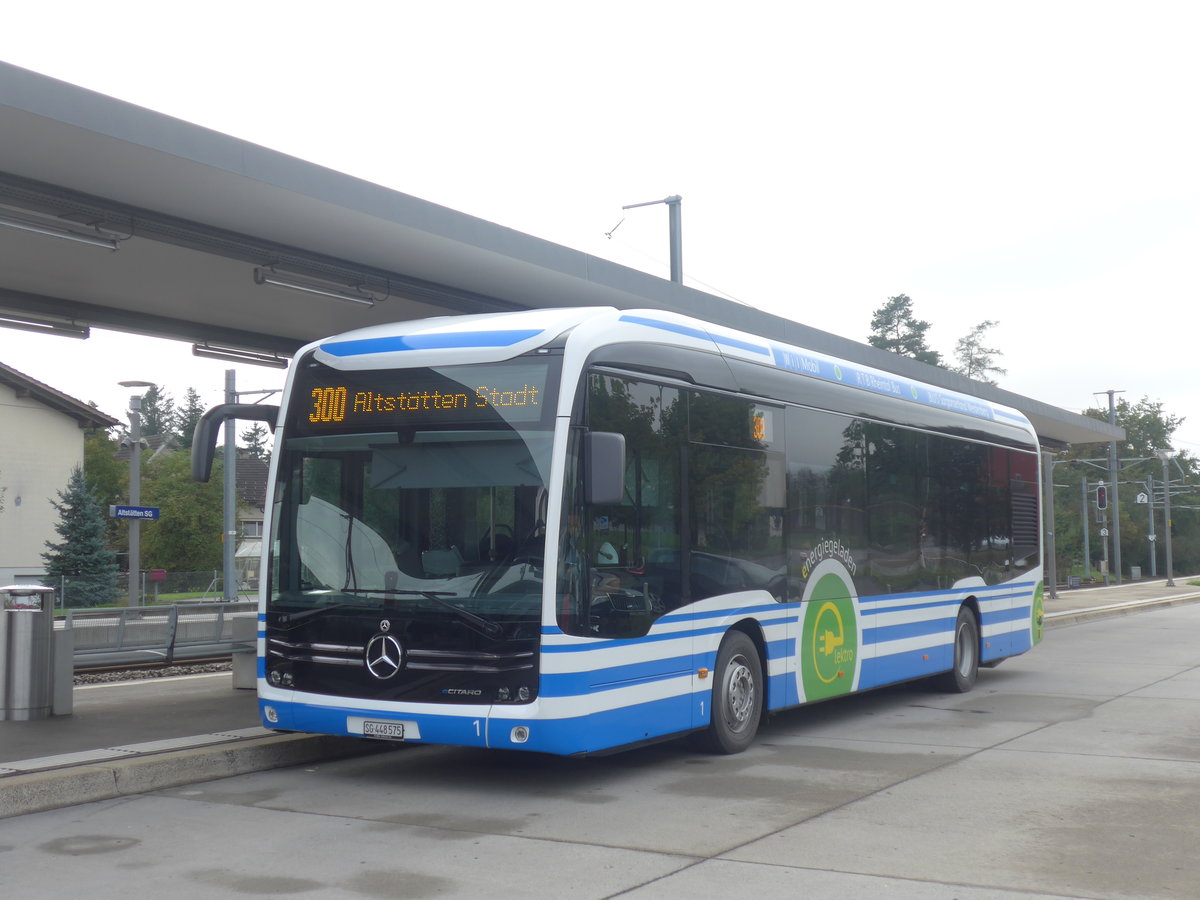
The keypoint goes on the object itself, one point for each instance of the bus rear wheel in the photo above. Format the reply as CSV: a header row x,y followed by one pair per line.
x,y
961,678
737,698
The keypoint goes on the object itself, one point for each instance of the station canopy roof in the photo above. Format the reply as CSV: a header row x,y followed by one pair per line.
x,y
200,219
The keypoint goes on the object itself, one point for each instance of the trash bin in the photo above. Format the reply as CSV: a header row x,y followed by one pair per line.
x,y
26,652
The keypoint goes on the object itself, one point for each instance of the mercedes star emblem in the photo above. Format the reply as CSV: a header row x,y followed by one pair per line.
x,y
384,656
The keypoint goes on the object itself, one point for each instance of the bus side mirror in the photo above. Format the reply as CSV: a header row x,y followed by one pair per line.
x,y
604,467
204,439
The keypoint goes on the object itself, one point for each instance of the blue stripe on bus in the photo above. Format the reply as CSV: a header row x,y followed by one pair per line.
x,y
582,734
609,643
745,611
435,728
872,606
698,333
1016,417
450,340
596,681
1015,614
905,630
601,730
686,617
796,360
879,671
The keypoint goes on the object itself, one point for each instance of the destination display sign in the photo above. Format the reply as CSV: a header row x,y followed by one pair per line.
x,y
328,400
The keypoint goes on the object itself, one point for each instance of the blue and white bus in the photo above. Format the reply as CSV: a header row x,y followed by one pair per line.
x,y
575,530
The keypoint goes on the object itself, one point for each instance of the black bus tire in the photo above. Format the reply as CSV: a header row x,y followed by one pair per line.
x,y
737,696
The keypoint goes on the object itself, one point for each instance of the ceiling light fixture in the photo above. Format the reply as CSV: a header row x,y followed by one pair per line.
x,y
95,238
237,355
61,328
270,276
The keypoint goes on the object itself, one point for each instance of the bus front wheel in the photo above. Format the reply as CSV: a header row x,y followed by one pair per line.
x,y
737,697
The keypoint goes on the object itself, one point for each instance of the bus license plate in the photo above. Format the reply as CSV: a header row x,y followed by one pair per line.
x,y
392,731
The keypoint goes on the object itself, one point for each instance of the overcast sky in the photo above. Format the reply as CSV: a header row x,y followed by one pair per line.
x,y
1035,163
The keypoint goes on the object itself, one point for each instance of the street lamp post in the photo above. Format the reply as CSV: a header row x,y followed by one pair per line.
x,y
230,529
1114,477
675,224
1165,455
1087,545
135,488
1051,579
229,545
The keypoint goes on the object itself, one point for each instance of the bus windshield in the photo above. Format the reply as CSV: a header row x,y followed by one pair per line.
x,y
441,511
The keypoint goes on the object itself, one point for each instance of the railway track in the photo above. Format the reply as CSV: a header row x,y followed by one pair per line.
x,y
108,673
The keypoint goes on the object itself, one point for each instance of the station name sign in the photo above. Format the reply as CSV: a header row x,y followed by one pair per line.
x,y
134,512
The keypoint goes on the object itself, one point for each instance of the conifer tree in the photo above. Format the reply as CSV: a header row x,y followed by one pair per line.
x,y
82,558
159,416
255,439
188,417
895,328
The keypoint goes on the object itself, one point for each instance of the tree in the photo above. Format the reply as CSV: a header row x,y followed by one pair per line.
x,y
158,414
1148,429
188,417
974,359
187,536
255,439
896,329
108,479
82,559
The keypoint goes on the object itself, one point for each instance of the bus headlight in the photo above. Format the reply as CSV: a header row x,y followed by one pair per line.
x,y
519,734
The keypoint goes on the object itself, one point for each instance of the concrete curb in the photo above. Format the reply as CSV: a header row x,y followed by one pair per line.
x,y
1112,610
56,788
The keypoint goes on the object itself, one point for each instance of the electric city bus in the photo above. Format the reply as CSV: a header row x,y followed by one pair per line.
x,y
576,530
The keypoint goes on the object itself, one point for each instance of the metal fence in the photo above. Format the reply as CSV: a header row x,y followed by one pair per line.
x,y
86,591
155,634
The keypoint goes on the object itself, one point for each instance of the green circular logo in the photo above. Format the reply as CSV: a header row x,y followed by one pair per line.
x,y
829,644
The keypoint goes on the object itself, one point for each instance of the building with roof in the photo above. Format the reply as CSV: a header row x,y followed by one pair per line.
x,y
251,509
41,442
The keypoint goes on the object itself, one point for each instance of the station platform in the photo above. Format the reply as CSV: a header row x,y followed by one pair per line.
x,y
1098,600
135,736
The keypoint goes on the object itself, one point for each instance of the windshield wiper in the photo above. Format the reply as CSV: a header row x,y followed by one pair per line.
x,y
486,626
291,619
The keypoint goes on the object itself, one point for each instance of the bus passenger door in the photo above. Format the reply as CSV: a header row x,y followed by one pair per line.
x,y
632,552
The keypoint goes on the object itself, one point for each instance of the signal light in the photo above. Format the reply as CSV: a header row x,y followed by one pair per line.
x,y
1101,496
